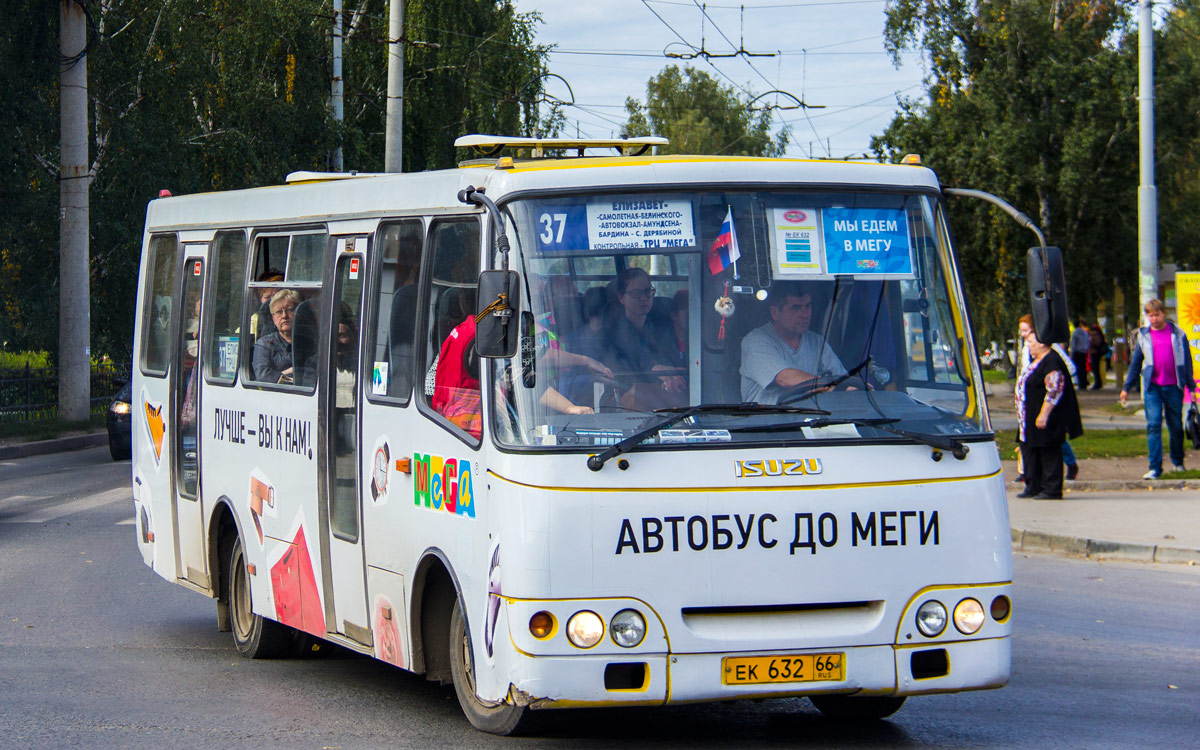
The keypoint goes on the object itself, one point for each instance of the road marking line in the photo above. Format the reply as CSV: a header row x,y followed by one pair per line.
x,y
126,522
72,506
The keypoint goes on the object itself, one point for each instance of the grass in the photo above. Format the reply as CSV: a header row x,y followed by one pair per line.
x,y
1119,443
48,429
1186,474
994,376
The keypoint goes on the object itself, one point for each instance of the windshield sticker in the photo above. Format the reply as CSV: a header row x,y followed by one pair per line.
x,y
693,436
866,241
798,250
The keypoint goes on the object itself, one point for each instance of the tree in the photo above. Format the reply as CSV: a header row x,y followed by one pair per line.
x,y
1033,100
470,66
202,95
700,116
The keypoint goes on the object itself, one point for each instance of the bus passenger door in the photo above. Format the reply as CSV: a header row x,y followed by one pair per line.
x,y
191,561
346,600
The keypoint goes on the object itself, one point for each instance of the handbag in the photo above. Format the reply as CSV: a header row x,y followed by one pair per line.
x,y
1192,425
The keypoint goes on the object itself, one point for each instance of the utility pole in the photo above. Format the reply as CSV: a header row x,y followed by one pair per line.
x,y
1147,193
74,347
394,129
337,79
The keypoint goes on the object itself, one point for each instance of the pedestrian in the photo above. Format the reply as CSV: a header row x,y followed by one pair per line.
x,y
1163,358
1079,352
1097,351
1025,331
1047,414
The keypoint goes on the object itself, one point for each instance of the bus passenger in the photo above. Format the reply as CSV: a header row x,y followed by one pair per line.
x,y
784,352
273,352
263,325
456,393
640,348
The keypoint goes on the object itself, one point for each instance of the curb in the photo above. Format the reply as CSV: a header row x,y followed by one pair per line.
x,y
1124,485
1036,541
57,445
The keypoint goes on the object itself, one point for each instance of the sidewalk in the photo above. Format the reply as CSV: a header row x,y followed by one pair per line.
x,y
1109,512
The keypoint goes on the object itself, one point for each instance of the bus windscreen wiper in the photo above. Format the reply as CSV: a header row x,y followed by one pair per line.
x,y
941,442
680,413
818,423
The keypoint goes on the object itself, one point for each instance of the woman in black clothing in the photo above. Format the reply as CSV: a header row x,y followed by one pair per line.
x,y
1047,413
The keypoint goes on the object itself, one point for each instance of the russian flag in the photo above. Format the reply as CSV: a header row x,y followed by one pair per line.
x,y
724,252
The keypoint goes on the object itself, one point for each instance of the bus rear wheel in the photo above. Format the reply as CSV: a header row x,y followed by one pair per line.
x,y
496,718
254,636
850,707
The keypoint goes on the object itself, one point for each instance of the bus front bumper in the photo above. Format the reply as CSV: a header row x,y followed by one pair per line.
x,y
657,679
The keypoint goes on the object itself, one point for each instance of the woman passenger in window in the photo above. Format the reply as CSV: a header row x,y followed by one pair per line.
x,y
640,351
273,352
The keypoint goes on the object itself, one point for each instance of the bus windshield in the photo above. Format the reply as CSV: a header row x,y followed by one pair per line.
x,y
784,315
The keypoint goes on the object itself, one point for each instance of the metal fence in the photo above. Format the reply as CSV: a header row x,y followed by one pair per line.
x,y
31,394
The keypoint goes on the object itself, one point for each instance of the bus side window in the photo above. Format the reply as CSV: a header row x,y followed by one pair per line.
x,y
394,338
449,301
156,315
285,297
224,311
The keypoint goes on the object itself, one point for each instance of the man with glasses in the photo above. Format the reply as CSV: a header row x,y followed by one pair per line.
x,y
640,349
273,352
784,353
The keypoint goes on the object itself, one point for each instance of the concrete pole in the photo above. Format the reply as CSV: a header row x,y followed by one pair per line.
x,y
337,78
1147,193
74,343
394,129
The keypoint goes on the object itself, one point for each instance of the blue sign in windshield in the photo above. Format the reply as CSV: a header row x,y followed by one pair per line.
x,y
866,241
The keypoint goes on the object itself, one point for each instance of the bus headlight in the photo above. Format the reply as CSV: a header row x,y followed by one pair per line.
x,y
628,628
931,618
585,629
968,616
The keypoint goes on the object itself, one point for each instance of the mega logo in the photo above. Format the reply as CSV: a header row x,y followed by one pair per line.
x,y
795,216
443,484
774,467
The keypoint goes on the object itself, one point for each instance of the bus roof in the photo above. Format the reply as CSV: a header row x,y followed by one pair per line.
x,y
318,197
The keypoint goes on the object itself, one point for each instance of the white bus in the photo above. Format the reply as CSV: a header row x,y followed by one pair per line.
x,y
572,480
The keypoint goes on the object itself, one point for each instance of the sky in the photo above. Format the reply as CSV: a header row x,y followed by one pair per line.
x,y
824,53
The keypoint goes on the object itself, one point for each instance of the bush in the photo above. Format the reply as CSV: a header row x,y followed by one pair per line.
x,y
18,360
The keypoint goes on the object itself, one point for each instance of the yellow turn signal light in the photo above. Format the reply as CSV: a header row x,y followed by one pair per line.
x,y
541,625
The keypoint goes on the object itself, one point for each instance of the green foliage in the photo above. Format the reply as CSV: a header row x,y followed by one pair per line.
x,y
10,361
1119,443
700,116
202,95
1034,101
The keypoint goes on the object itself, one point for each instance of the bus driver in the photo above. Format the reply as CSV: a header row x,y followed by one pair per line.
x,y
784,352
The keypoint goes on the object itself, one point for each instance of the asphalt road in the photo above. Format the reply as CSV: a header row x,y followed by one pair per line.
x,y
96,651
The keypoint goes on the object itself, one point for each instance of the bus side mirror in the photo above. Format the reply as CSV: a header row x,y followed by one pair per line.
x,y
1047,294
496,325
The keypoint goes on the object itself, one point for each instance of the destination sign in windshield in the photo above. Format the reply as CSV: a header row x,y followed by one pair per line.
x,y
619,223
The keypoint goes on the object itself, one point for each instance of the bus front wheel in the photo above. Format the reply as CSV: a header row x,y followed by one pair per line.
x,y
850,707
254,636
496,718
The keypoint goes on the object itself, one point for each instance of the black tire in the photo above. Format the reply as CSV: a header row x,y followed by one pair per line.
x,y
254,636
119,450
496,718
855,708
